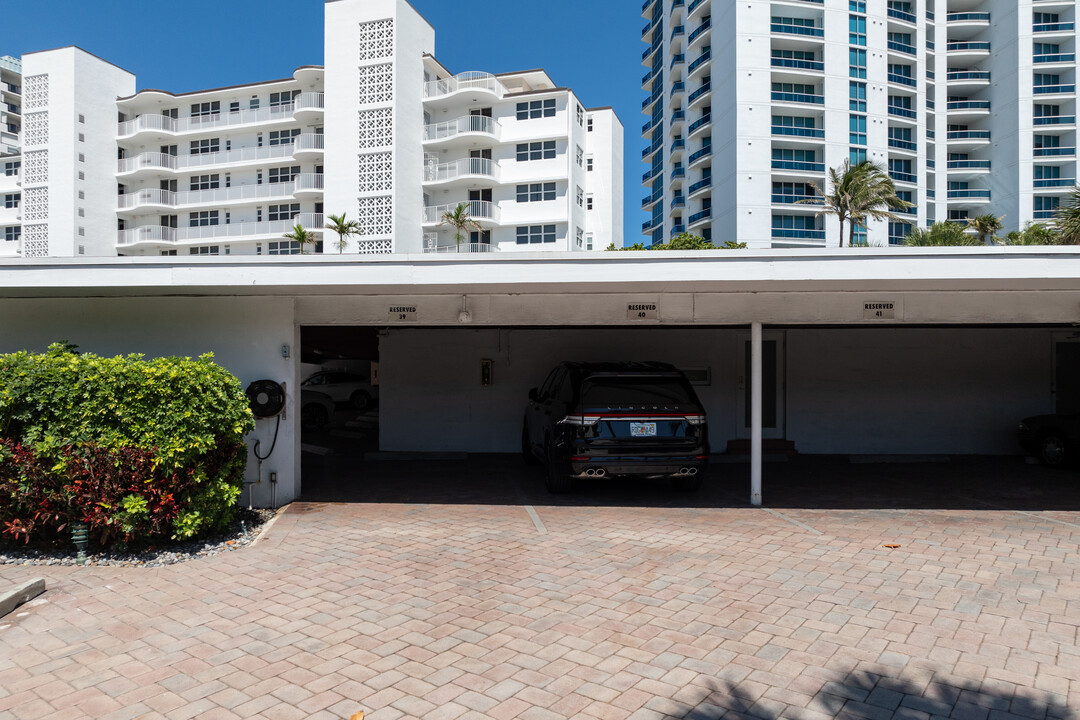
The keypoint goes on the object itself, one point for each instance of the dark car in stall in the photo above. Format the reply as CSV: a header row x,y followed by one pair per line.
x,y
1054,439
628,419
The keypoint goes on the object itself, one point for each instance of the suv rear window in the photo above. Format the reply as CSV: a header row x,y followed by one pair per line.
x,y
622,390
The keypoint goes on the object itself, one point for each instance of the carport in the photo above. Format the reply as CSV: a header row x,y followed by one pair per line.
x,y
810,347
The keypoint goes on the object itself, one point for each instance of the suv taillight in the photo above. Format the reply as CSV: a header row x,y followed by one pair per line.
x,y
580,420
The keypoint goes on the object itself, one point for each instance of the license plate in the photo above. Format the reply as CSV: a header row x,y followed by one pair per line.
x,y
642,429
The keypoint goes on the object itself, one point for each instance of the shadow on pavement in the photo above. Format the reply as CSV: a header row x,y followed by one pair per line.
x,y
809,482
868,695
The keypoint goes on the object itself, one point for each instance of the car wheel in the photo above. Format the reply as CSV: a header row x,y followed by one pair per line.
x,y
557,482
313,417
526,447
1052,450
360,400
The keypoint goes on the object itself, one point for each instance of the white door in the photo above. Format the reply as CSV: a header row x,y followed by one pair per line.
x,y
773,398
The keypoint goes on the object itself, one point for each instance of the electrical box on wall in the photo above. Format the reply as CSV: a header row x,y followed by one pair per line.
x,y
486,372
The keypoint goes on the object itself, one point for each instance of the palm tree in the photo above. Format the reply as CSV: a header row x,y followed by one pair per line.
x,y
859,192
985,226
301,235
460,219
1067,219
344,228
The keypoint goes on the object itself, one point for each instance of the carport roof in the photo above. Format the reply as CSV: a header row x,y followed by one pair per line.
x,y
729,271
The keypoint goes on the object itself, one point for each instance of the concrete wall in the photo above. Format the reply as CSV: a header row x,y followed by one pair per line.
x,y
245,335
858,391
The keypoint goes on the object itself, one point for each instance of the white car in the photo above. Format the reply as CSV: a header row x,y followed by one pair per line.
x,y
343,387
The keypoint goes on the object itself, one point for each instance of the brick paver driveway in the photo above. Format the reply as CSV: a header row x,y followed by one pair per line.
x,y
520,609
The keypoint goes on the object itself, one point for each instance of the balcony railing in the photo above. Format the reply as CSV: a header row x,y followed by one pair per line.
x,y
968,164
1053,89
309,101
967,17
478,210
699,123
704,27
798,234
968,75
464,81
798,131
309,141
161,123
903,112
903,145
1055,58
699,185
308,181
703,90
782,199
1054,152
798,30
901,15
462,248
798,98
459,126
459,168
902,47
814,65
814,167
968,135
902,79
967,46
702,153
1055,182
902,176
275,228
168,198
969,195
160,161
699,216
1054,120
968,105
704,58
1054,27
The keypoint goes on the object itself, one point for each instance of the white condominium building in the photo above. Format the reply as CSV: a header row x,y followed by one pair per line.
x,y
969,104
382,132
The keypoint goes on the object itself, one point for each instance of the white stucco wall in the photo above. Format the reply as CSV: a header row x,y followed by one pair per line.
x,y
245,335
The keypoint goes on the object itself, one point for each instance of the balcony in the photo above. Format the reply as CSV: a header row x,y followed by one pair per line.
x,y
309,146
1053,89
649,200
967,23
699,217
308,106
480,210
967,80
804,98
899,144
1054,120
800,165
466,128
154,234
699,63
809,200
1054,58
968,166
1059,27
677,87
801,132
162,126
699,94
796,64
902,176
155,163
969,195
462,248
902,48
693,6
464,82
699,124
802,30
902,16
898,79
699,33
699,186
657,43
153,199
308,185
968,108
701,154
1066,183
1054,152
798,234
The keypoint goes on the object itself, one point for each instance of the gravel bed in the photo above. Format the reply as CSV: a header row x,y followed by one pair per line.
x,y
243,530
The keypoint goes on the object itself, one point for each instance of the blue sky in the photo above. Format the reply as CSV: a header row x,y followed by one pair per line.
x,y
592,46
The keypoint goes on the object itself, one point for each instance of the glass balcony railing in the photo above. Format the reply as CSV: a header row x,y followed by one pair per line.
x,y
903,112
699,216
1054,182
702,153
1054,27
1054,152
968,135
968,164
798,131
1055,58
798,234
1053,89
901,15
814,167
969,194
968,105
699,185
902,79
793,63
902,47
798,98
798,30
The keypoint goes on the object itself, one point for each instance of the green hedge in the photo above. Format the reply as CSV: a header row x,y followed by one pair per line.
x,y
139,449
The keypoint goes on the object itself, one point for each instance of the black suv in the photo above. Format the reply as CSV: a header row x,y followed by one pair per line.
x,y
594,420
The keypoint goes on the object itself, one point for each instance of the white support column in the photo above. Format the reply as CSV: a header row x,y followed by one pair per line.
x,y
755,413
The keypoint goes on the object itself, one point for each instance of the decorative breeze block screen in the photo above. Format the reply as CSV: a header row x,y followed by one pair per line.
x,y
375,247
36,203
35,92
35,241
376,128
36,128
376,84
376,40
376,172
35,167
376,215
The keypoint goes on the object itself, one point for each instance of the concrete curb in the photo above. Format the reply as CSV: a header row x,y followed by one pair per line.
x,y
21,594
269,524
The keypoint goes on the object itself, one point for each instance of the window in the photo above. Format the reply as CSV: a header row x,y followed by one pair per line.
x,y
12,233
580,197
857,61
234,107
205,182
589,124
579,237
82,119
82,195
82,158
857,95
283,247
282,99
204,250
588,164
82,212
82,232
580,116
12,201
82,138
536,109
11,169
283,137
82,175
536,192
589,241
857,155
284,174
204,218
283,212
536,151
857,30
580,156
202,147
588,202
535,234
857,126
206,109
253,104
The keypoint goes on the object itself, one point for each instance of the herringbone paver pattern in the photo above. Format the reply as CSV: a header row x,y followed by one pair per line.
x,y
449,612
